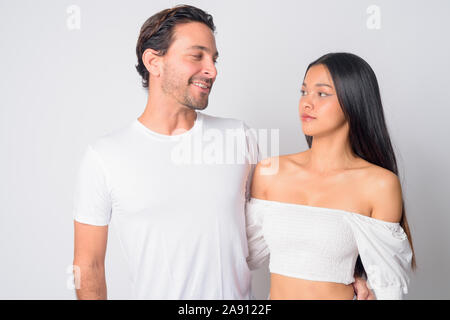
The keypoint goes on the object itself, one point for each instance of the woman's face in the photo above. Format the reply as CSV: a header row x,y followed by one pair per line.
x,y
319,108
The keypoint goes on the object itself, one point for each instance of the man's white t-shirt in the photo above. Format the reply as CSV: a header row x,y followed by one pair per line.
x,y
177,203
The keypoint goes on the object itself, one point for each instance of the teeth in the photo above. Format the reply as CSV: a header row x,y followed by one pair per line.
x,y
201,85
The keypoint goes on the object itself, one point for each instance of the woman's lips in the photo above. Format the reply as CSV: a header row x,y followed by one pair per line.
x,y
307,118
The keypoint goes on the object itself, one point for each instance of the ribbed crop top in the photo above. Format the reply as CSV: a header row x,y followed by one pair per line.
x,y
322,244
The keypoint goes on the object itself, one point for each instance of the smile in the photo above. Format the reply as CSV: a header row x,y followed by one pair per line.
x,y
200,85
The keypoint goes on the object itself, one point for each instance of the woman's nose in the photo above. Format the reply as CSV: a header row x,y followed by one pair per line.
x,y
306,103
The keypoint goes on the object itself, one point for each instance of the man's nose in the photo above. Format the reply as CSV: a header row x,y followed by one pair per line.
x,y
210,70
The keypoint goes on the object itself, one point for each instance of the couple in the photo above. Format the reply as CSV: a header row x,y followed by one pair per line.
x,y
327,216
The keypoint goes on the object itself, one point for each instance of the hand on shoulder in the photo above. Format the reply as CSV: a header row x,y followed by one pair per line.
x,y
264,174
271,172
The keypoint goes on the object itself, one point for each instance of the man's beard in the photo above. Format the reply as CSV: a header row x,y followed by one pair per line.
x,y
172,85
189,101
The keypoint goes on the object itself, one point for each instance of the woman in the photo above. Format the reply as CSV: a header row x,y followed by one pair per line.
x,y
335,210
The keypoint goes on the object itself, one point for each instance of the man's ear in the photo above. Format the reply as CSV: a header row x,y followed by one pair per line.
x,y
152,62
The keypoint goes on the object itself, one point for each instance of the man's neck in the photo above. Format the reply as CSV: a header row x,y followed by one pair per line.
x,y
167,117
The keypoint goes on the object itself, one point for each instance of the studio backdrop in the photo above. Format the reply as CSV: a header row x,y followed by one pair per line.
x,y
68,77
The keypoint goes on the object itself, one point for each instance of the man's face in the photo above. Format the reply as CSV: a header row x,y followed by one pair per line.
x,y
189,70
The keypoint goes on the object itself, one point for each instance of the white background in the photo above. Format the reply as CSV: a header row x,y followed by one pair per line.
x,y
61,88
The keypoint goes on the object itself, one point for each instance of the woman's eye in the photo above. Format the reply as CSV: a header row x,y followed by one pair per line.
x,y
303,92
197,56
323,94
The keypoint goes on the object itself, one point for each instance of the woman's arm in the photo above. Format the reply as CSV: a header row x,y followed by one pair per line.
x,y
386,196
382,243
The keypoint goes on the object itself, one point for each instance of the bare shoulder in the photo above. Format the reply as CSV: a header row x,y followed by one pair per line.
x,y
382,179
269,172
263,176
385,193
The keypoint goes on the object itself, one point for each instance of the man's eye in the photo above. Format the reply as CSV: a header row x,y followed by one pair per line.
x,y
303,92
197,56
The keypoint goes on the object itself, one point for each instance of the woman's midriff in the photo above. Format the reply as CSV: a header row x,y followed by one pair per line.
x,y
288,288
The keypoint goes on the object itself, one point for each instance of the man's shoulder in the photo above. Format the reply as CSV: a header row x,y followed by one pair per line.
x,y
114,139
223,122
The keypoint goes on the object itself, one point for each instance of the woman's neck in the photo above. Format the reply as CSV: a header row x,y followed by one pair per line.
x,y
330,154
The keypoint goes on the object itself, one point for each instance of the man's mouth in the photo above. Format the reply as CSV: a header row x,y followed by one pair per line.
x,y
202,85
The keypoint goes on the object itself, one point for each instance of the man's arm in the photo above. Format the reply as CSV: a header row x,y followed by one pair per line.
x,y
89,257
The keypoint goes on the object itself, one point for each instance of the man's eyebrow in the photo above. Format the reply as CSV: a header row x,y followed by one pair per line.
x,y
216,54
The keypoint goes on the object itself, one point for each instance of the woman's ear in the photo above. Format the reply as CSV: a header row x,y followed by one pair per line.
x,y
152,62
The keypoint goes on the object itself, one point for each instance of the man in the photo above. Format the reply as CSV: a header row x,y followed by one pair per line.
x,y
180,218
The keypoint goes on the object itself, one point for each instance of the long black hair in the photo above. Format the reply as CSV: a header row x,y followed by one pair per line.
x,y
359,97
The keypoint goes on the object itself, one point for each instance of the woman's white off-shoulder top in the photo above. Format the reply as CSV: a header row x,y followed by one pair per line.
x,y
323,244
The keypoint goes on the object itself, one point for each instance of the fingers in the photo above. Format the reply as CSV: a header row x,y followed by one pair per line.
x,y
362,294
371,296
361,290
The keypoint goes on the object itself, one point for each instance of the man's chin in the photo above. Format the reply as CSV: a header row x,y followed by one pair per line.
x,y
201,107
197,106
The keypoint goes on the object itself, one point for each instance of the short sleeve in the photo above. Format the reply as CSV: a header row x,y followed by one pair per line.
x,y
253,156
385,254
92,202
258,251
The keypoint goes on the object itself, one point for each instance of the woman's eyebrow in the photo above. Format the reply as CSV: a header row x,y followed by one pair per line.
x,y
319,85
323,85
